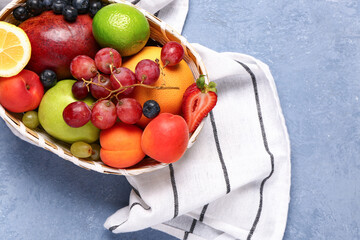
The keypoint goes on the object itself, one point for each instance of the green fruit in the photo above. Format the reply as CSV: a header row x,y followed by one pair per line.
x,y
122,27
51,119
81,149
30,119
95,155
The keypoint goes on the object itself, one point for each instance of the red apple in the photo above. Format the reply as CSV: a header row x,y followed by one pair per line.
x,y
55,42
22,92
165,138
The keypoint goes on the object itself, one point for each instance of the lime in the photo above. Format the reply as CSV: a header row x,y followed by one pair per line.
x,y
121,27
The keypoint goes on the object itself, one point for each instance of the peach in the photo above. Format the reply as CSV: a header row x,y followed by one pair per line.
x,y
22,92
165,138
121,145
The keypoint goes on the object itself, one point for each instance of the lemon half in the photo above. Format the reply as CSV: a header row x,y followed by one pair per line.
x,y
15,49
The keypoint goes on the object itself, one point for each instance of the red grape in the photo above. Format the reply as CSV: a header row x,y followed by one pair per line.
x,y
106,57
147,71
103,90
83,66
79,90
125,76
172,53
103,114
77,114
129,110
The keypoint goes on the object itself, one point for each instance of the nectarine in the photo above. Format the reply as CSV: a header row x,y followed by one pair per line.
x,y
165,138
22,92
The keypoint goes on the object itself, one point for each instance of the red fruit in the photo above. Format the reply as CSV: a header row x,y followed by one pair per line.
x,y
83,67
147,71
172,53
55,42
22,92
129,110
102,91
165,138
107,57
79,90
77,114
125,76
103,115
198,100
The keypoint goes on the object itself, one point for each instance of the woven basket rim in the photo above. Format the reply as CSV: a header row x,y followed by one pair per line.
x,y
59,148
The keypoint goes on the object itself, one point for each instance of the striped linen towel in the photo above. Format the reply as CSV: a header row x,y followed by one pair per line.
x,y
234,183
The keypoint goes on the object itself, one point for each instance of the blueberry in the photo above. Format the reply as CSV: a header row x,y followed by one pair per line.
x,y
82,6
34,7
95,6
70,13
20,13
58,6
47,4
48,78
151,109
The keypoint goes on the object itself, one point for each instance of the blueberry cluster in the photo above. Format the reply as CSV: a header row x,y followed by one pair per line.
x,y
68,8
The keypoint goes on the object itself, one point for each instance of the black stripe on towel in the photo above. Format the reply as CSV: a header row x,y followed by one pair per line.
x,y
176,197
193,224
135,2
136,191
132,205
202,215
223,165
137,203
116,226
258,214
186,235
226,176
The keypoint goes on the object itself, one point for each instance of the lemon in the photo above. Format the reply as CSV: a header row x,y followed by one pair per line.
x,y
15,49
121,27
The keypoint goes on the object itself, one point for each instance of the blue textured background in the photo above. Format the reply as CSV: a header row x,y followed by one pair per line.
x,y
313,50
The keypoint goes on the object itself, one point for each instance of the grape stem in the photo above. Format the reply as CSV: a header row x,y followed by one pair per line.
x,y
121,89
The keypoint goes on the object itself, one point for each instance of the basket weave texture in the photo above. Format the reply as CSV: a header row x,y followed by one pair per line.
x,y
160,32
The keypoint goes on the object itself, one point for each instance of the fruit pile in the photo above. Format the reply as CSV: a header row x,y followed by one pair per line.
x,y
95,83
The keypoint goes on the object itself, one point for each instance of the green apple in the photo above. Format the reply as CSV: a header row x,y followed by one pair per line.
x,y
51,118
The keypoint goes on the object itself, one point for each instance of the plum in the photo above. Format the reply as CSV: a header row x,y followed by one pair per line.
x,y
55,42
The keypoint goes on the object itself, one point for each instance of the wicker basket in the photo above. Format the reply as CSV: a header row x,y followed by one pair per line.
x,y
161,33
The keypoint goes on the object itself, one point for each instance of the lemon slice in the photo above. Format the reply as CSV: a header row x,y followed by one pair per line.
x,y
15,49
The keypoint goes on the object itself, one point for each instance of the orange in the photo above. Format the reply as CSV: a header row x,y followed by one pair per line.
x,y
15,49
176,76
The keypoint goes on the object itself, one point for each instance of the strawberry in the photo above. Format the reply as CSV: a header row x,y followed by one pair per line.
x,y
198,100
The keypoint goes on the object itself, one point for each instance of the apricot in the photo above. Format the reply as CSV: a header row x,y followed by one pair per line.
x,y
165,138
121,145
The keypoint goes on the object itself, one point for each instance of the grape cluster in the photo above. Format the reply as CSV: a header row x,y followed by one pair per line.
x,y
70,9
106,80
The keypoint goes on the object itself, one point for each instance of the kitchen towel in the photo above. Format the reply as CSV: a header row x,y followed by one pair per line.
x,y
234,183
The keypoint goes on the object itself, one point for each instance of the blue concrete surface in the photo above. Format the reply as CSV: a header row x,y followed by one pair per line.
x,y
313,50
